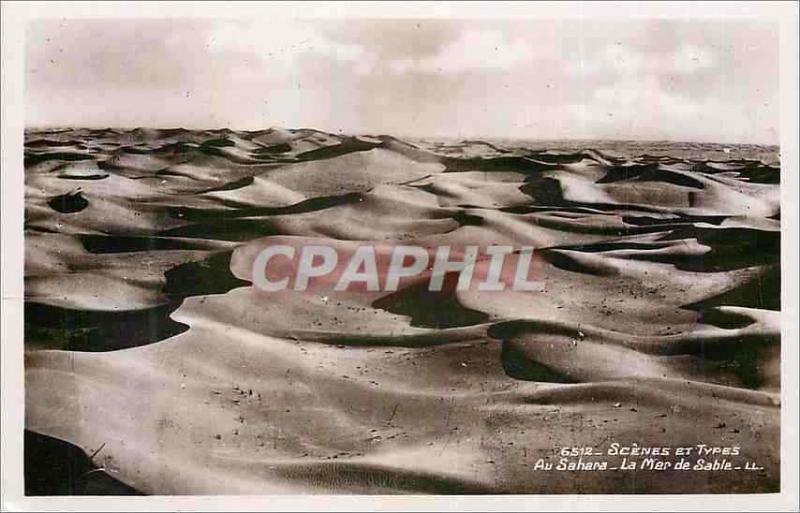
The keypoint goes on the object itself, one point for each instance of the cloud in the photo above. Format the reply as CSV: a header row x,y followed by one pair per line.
x,y
393,39
625,59
645,79
475,49
280,46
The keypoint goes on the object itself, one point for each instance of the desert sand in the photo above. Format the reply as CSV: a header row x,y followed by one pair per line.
x,y
149,349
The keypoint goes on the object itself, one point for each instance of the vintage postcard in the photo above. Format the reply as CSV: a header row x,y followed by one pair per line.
x,y
400,257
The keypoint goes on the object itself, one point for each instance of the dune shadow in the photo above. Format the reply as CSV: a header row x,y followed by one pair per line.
x,y
431,309
55,467
69,203
53,327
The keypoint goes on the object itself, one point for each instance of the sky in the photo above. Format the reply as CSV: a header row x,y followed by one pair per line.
x,y
710,80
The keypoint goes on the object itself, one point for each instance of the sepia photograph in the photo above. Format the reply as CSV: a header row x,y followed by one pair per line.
x,y
422,249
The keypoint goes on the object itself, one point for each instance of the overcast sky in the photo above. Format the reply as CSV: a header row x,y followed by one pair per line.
x,y
690,81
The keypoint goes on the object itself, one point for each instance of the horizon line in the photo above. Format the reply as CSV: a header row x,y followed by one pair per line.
x,y
399,135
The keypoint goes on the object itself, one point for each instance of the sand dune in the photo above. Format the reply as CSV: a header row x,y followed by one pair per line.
x,y
658,322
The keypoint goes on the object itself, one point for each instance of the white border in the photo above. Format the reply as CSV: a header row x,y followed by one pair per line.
x,y
14,18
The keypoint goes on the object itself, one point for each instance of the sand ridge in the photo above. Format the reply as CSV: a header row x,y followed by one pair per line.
x,y
658,323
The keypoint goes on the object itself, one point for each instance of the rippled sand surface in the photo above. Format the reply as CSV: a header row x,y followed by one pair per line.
x,y
148,348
